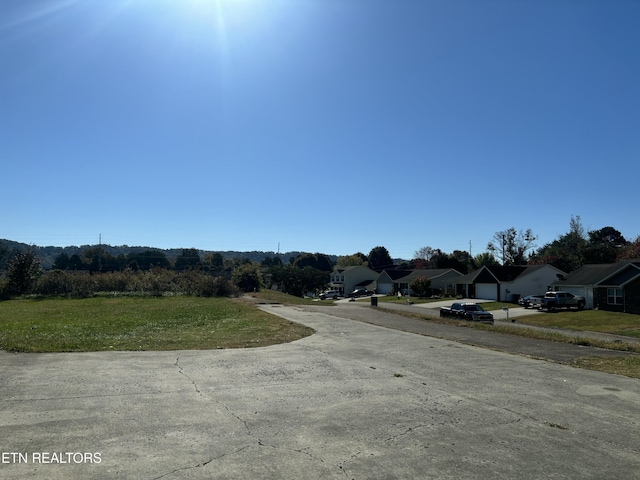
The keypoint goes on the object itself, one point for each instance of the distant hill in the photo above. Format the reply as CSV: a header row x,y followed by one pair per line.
x,y
49,254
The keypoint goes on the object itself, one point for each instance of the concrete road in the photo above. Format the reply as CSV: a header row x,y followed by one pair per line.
x,y
353,401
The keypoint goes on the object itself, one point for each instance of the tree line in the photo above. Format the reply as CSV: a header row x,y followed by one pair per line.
x,y
151,271
568,252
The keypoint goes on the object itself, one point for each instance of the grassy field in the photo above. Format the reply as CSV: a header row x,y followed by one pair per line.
x,y
271,296
139,323
588,320
192,323
404,300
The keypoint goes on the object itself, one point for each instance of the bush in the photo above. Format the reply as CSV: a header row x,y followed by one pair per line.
x,y
248,277
420,286
155,282
23,272
54,282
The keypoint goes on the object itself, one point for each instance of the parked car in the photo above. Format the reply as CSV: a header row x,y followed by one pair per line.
x,y
467,311
531,301
359,292
553,300
329,294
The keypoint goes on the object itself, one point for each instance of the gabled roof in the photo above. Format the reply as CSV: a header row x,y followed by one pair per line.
x,y
509,273
499,273
395,274
427,272
612,274
350,268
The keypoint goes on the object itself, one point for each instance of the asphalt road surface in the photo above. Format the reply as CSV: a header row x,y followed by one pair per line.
x,y
353,401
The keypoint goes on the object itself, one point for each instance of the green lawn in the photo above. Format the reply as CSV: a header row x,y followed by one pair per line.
x,y
588,320
403,300
139,323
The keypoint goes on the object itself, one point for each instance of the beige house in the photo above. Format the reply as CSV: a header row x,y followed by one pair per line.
x,y
347,279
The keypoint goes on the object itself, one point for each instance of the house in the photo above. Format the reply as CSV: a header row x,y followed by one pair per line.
x,y
442,279
347,279
609,286
385,282
507,283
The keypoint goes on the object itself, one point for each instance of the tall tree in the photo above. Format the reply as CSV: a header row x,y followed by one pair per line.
x,y
485,258
147,259
379,258
274,261
188,259
314,260
214,261
511,246
61,262
422,257
247,277
630,250
354,260
459,260
568,251
22,272
604,245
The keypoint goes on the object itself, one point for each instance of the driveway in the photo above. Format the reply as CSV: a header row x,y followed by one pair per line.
x,y
353,401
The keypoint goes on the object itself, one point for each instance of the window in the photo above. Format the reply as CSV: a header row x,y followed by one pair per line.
x,y
615,296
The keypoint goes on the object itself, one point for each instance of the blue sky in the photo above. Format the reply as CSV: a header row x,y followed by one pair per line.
x,y
328,126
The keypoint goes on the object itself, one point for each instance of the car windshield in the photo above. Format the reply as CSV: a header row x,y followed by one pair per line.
x,y
473,308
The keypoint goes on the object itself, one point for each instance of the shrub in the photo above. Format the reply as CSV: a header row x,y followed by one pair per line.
x,y
54,282
420,286
22,272
156,282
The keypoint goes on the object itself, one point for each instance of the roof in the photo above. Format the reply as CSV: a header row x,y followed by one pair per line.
x,y
509,273
617,273
395,274
499,273
428,272
350,268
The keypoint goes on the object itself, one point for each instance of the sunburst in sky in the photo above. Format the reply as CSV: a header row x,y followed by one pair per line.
x,y
325,126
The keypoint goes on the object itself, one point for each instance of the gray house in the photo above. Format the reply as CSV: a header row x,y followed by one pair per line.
x,y
387,280
609,286
443,280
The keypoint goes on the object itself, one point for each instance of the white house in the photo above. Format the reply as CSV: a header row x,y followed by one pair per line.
x,y
507,283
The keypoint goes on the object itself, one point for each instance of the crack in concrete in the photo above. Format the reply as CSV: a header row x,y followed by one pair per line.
x,y
182,372
233,414
201,464
199,392
406,432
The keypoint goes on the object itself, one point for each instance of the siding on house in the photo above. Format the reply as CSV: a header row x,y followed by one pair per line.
x,y
594,281
507,283
346,279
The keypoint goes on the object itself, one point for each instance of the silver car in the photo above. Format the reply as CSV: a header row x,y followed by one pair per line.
x,y
334,294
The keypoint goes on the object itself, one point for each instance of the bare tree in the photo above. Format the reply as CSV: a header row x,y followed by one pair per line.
x,y
511,246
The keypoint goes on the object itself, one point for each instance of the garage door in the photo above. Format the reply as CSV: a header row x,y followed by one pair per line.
x,y
487,291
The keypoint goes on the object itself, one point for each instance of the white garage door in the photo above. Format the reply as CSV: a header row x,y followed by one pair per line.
x,y
487,291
